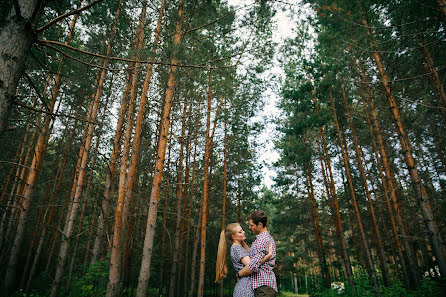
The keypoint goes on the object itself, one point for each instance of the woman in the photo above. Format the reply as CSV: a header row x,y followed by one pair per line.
x,y
239,256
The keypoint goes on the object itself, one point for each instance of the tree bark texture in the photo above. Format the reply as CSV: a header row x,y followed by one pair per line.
x,y
16,39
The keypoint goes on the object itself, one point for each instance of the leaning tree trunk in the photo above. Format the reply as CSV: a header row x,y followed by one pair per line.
x,y
420,190
144,273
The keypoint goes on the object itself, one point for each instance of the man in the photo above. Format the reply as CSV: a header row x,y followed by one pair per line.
x,y
263,279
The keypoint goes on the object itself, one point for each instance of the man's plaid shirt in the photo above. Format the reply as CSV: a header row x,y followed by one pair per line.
x,y
263,275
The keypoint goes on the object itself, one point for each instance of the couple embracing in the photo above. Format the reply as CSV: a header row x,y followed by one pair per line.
x,y
254,266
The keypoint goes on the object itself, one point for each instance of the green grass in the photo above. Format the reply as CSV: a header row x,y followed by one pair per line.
x,y
290,294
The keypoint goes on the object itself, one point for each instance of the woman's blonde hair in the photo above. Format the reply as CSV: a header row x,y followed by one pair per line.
x,y
221,268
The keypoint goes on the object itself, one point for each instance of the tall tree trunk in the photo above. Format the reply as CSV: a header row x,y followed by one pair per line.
x,y
421,194
89,182
117,140
144,274
223,198
387,185
192,196
119,222
16,39
83,156
334,200
434,76
376,231
39,152
362,236
195,251
164,226
318,232
206,181
179,213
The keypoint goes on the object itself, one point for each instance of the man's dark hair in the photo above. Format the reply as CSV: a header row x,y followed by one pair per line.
x,y
258,216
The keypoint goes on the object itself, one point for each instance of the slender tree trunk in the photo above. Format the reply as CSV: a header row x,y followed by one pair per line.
x,y
89,182
318,232
434,76
376,231
57,230
334,202
223,198
387,186
194,252
39,152
90,235
83,156
163,235
105,205
144,274
421,194
204,216
192,196
179,213
119,223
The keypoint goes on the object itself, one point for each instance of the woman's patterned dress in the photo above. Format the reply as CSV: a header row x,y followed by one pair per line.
x,y
243,287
